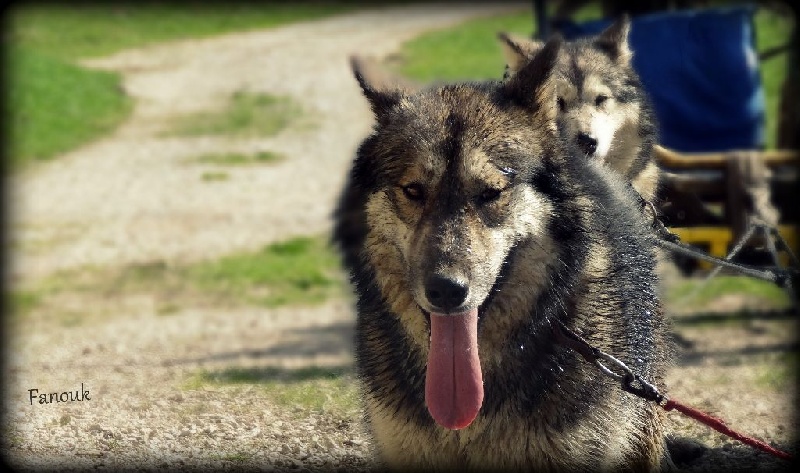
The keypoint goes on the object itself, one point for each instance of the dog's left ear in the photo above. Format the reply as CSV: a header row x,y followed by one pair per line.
x,y
383,90
614,40
533,86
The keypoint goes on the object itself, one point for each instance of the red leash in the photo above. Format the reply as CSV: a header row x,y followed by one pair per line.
x,y
720,426
647,391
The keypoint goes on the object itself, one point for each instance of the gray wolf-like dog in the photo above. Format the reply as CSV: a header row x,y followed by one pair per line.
x,y
469,230
603,105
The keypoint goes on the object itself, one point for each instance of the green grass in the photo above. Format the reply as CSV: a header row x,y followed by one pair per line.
x,y
772,30
215,176
237,159
55,106
767,293
91,29
246,114
468,51
780,373
299,270
240,457
266,375
21,302
319,389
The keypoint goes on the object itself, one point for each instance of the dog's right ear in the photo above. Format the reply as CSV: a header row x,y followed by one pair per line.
x,y
614,40
383,90
533,86
518,51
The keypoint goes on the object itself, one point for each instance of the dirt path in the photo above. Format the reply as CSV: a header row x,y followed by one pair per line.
x,y
130,198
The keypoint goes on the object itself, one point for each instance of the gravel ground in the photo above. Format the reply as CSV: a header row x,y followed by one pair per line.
x,y
130,199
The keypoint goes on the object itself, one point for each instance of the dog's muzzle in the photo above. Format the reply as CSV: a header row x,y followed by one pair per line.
x,y
445,294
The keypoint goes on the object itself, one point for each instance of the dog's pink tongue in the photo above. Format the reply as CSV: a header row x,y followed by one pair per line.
x,y
453,381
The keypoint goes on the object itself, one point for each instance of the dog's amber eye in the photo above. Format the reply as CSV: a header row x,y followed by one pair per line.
x,y
413,192
600,100
561,104
489,195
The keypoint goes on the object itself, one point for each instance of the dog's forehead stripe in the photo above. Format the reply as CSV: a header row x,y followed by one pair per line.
x,y
576,73
458,127
594,85
581,61
451,144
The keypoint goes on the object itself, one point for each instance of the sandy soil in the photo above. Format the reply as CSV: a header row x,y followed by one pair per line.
x,y
131,199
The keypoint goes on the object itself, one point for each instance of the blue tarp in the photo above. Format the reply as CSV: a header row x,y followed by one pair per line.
x,y
700,68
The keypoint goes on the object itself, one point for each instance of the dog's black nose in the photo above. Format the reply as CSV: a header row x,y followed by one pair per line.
x,y
587,143
445,293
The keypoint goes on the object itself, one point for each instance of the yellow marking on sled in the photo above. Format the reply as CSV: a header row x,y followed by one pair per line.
x,y
718,241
